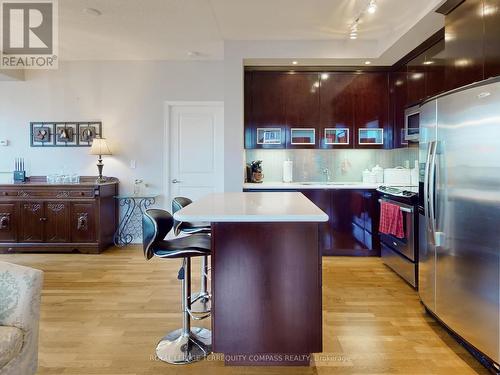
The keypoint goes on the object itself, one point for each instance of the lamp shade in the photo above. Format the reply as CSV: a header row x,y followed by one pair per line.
x,y
100,147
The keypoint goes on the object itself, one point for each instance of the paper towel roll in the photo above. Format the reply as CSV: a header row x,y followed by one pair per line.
x,y
287,171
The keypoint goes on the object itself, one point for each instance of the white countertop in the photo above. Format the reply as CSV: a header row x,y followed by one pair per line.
x,y
252,207
311,185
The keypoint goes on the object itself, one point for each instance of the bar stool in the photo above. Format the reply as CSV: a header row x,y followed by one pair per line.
x,y
200,302
187,344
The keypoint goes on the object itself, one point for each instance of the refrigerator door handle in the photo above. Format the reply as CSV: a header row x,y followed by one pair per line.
x,y
431,191
426,184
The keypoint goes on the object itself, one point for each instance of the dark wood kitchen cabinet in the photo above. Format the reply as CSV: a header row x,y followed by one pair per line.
x,y
491,38
337,108
355,217
416,80
323,199
398,100
306,104
435,69
371,114
267,107
464,45
352,226
302,109
38,217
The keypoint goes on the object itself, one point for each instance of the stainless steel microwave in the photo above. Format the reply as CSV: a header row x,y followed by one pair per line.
x,y
412,124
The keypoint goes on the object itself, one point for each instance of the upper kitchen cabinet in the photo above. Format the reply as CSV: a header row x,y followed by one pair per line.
x,y
265,121
435,69
464,44
398,98
416,80
337,110
302,109
371,111
491,16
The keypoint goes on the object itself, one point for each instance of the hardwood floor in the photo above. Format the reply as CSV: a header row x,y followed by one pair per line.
x,y
103,314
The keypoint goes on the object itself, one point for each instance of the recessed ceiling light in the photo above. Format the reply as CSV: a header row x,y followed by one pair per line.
x,y
93,11
353,37
295,62
368,62
372,8
428,62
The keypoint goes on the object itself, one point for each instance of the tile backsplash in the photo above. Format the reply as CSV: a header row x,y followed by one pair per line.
x,y
344,165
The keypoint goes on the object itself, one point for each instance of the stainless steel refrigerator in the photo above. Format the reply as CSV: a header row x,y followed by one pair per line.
x,y
459,239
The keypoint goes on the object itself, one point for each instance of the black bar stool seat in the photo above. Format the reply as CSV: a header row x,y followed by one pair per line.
x,y
187,344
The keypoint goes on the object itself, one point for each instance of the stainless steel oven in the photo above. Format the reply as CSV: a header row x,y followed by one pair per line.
x,y
412,124
406,245
401,254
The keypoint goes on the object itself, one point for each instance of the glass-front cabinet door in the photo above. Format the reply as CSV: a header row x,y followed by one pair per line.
x,y
336,136
370,136
269,136
303,136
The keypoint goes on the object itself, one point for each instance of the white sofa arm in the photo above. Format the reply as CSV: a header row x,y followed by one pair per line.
x,y
20,293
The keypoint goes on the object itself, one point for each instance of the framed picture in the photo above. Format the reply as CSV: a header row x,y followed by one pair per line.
x,y
42,134
87,132
66,135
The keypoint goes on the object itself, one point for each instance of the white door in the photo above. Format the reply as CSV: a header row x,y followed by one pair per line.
x,y
196,149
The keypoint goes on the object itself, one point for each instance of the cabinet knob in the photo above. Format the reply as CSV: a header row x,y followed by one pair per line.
x,y
43,219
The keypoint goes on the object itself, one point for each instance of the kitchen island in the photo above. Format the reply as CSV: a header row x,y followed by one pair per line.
x,y
266,276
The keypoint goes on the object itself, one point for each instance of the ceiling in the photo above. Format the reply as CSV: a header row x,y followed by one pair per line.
x,y
170,29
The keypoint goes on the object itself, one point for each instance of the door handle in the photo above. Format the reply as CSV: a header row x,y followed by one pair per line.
x,y
432,187
176,181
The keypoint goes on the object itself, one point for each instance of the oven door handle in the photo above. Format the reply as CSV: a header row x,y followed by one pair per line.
x,y
404,209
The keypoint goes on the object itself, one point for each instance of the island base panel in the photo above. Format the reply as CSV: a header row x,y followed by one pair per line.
x,y
266,284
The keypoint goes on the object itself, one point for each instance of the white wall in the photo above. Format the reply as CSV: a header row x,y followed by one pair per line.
x,y
128,97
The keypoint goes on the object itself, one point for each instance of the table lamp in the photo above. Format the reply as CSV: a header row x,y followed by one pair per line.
x,y
100,147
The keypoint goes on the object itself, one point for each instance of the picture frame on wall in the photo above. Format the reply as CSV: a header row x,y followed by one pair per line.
x,y
42,134
87,132
64,134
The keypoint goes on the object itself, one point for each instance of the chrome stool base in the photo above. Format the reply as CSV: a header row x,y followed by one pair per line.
x,y
178,349
201,303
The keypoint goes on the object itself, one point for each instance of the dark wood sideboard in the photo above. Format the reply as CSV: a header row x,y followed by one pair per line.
x,y
39,217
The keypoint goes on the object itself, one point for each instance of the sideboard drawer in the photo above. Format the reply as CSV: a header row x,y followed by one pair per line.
x,y
48,193
82,194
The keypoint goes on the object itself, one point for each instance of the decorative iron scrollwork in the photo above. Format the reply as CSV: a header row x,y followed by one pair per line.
x,y
4,221
82,221
56,207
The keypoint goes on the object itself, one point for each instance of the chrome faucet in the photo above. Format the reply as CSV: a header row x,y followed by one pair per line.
x,y
326,172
